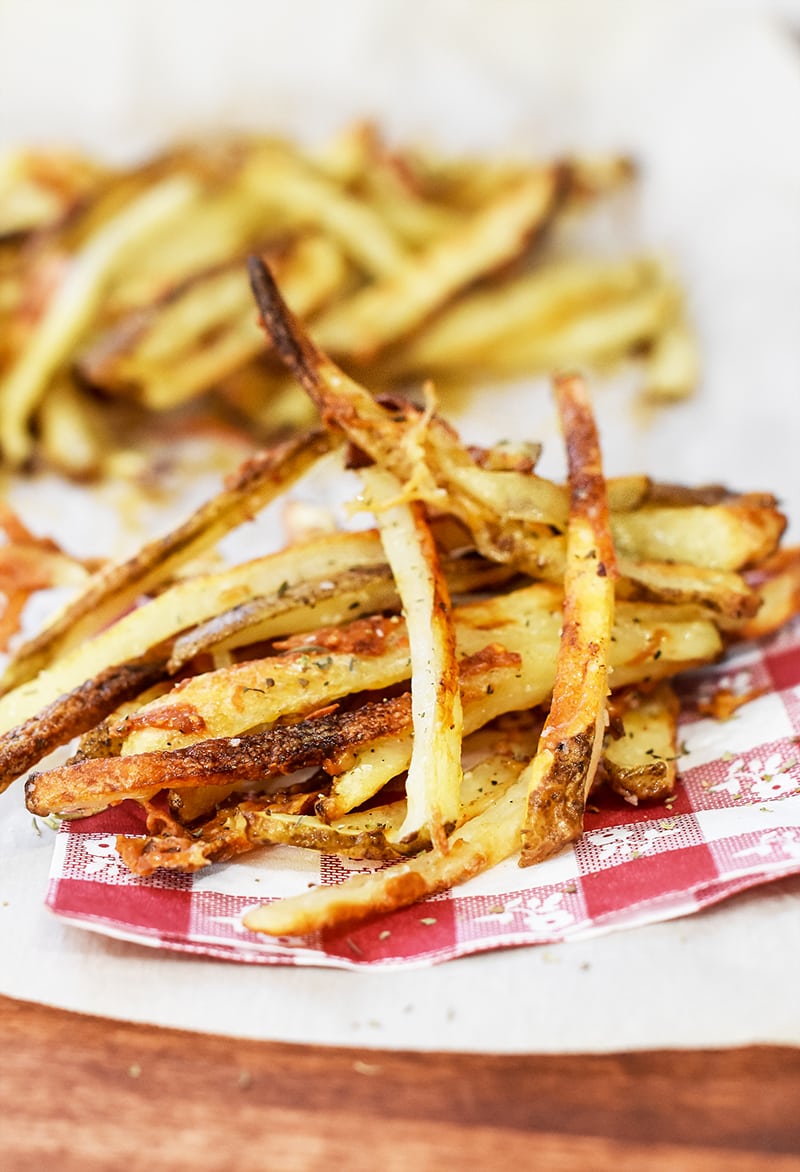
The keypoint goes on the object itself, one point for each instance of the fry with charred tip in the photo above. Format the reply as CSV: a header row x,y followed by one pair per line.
x,y
566,760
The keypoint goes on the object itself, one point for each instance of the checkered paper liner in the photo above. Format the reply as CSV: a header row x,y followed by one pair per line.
x,y
734,823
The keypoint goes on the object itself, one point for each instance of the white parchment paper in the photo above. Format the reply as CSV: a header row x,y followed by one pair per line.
x,y
706,96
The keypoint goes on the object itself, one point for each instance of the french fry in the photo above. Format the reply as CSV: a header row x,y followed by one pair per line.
x,y
561,774
282,178
484,841
434,771
71,310
401,240
647,646
777,582
535,303
369,834
38,189
72,432
91,785
672,367
728,536
366,658
385,312
117,586
640,762
204,331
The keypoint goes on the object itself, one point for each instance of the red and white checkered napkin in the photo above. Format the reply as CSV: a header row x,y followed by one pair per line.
x,y
735,823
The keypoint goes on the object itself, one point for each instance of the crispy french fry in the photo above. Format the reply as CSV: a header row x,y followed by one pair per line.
x,y
561,774
484,841
117,586
400,238
93,784
370,834
728,536
283,179
777,582
640,763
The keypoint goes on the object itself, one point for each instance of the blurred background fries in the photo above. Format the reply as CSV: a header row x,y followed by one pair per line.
x,y
127,286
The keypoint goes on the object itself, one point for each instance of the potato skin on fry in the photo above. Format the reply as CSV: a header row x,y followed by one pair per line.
x,y
116,586
96,783
563,769
73,714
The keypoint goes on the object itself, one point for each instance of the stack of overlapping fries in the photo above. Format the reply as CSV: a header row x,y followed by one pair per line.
x,y
123,293
436,693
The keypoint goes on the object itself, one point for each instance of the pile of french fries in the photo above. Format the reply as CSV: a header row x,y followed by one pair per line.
x,y
435,693
124,297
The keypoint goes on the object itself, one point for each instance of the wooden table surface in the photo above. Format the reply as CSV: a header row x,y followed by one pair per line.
x,y
88,1093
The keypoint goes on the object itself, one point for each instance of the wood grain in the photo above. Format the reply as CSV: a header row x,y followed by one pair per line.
x,y
87,1093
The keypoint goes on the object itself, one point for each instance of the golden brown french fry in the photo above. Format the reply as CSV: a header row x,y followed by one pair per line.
x,y
722,591
561,774
728,536
650,642
368,834
117,586
777,582
93,784
507,512
640,763
370,653
480,843
598,336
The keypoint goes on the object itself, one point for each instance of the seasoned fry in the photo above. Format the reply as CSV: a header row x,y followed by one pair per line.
x,y
561,774
729,536
640,760
434,772
117,586
431,694
73,713
777,581
481,843
95,783
371,834
536,303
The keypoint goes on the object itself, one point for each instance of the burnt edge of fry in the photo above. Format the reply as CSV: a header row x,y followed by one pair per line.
x,y
555,809
74,713
587,487
291,345
251,757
